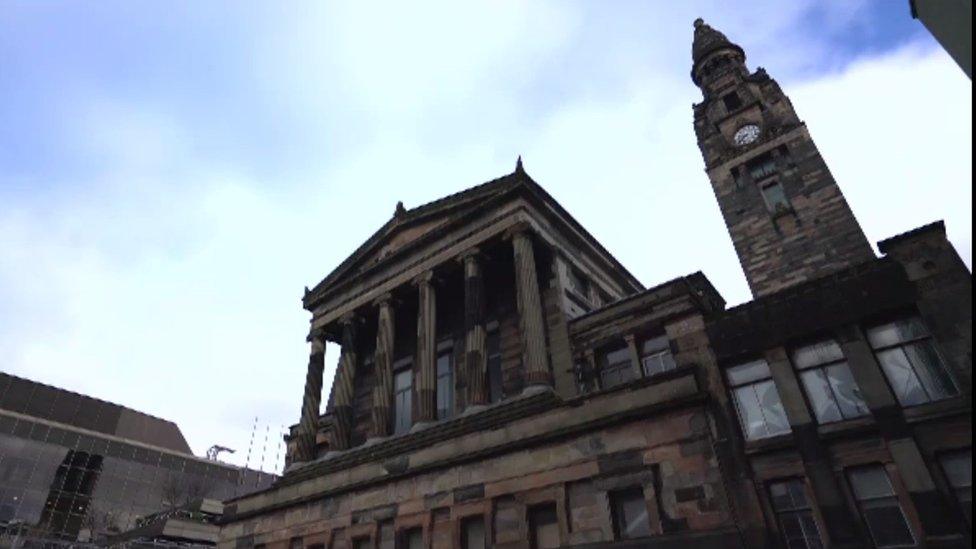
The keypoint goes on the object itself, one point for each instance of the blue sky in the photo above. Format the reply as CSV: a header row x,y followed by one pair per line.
x,y
172,174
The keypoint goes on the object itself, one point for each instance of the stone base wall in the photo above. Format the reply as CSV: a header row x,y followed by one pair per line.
x,y
668,455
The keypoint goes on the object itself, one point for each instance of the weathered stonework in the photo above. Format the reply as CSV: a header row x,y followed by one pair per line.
x,y
542,388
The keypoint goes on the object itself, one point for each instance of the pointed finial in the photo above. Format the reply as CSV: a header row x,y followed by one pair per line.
x,y
699,22
518,165
400,210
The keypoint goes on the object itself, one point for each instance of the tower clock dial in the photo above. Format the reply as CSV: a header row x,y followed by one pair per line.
x,y
746,134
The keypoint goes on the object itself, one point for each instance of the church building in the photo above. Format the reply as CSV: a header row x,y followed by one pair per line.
x,y
505,382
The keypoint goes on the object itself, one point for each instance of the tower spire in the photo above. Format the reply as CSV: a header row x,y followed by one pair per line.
x,y
708,41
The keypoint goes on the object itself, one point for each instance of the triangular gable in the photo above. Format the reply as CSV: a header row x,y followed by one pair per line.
x,y
411,225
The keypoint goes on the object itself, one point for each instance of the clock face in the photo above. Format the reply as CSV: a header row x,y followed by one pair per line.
x,y
746,134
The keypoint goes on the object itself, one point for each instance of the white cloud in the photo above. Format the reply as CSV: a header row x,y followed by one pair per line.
x,y
170,281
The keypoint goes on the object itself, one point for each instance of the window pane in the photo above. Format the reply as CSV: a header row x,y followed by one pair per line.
x,y
870,482
630,511
445,386
654,345
779,493
772,408
888,525
657,363
819,353
750,371
544,527
958,467
818,391
902,378
473,533
616,356
930,370
753,424
403,414
775,196
897,332
846,391
494,365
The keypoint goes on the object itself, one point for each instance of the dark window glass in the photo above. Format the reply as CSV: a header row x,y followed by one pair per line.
x,y
296,543
445,384
879,507
473,533
761,167
910,362
732,101
543,526
494,363
656,356
775,196
958,468
403,399
794,515
828,382
411,539
361,543
629,513
757,401
579,284
615,367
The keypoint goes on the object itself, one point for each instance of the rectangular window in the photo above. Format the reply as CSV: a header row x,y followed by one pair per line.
x,y
879,507
732,101
757,401
296,543
828,382
615,367
958,468
656,356
445,384
403,396
629,510
543,526
493,346
761,167
411,539
794,515
775,196
361,543
910,362
473,533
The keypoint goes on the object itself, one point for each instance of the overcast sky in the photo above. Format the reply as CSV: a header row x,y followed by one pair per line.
x,y
172,174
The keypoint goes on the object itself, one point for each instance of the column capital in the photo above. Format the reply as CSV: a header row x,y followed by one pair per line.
x,y
471,254
317,335
384,299
520,229
426,277
349,318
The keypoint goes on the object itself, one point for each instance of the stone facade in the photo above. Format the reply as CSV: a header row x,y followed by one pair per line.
x,y
505,382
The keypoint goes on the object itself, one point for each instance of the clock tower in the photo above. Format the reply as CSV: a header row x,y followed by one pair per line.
x,y
788,219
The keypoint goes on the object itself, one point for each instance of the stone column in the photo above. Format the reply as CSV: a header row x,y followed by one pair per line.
x,y
635,358
383,362
475,348
312,399
344,383
816,458
426,387
531,327
934,510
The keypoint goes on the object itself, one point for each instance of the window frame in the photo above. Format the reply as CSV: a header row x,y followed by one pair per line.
x,y
403,366
444,350
807,507
966,507
752,383
532,513
622,368
892,497
616,498
822,369
900,345
776,207
468,520
663,351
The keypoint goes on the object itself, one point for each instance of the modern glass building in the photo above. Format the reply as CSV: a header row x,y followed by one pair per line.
x,y
74,467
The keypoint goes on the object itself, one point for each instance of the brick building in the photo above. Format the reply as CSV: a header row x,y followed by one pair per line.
x,y
505,382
